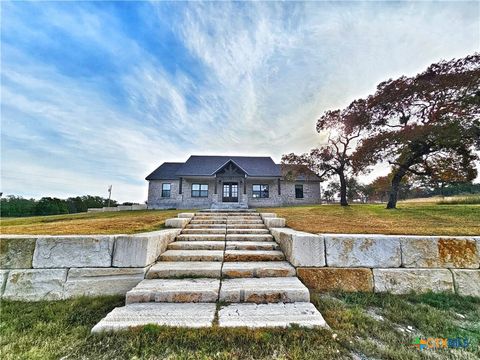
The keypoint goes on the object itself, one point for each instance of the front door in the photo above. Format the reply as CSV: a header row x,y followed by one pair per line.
x,y
230,192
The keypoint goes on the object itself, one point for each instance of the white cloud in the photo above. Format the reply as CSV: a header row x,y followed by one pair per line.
x,y
268,71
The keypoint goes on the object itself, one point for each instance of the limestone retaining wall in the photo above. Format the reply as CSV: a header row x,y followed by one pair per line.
x,y
39,267
119,208
383,263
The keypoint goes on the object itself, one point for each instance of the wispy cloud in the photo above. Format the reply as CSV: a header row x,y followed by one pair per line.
x,y
101,93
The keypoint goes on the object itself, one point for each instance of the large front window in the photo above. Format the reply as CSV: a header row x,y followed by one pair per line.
x,y
166,190
199,190
260,191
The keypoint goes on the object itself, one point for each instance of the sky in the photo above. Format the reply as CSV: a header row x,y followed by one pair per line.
x,y
100,93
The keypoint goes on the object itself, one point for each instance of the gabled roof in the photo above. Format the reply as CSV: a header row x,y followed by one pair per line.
x,y
208,165
166,171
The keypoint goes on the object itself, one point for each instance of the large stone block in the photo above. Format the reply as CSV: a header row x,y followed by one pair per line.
x,y
35,284
403,281
73,251
274,222
467,282
439,252
333,279
300,248
267,215
16,252
177,222
140,250
3,280
345,250
102,281
186,215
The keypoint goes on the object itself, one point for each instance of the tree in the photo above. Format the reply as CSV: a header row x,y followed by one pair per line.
x,y
345,127
415,118
446,169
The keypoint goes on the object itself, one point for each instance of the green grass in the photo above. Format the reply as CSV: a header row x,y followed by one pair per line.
x,y
461,200
366,325
408,218
115,222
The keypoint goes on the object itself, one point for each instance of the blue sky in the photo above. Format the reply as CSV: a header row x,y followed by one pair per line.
x,y
99,93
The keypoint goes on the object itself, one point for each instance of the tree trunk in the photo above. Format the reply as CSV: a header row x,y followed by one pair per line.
x,y
343,190
393,196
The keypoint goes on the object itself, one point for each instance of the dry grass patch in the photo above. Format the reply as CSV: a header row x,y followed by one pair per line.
x,y
122,222
409,218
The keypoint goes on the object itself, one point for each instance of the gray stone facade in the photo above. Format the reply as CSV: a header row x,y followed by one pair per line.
x,y
224,175
311,193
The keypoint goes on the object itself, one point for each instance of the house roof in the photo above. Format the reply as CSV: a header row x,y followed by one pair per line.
x,y
166,171
253,166
209,165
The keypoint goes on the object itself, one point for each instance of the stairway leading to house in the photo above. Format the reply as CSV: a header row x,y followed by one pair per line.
x,y
226,258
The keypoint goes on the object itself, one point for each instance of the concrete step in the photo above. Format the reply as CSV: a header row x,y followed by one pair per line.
x,y
204,222
257,269
264,290
204,231
248,231
253,255
206,226
193,315
251,245
174,290
231,222
169,269
192,255
246,226
271,315
249,237
196,245
209,218
201,237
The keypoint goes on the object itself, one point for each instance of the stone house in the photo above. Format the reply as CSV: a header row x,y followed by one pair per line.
x,y
230,182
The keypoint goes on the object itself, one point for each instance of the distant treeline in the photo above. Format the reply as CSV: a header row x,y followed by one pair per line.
x,y
17,206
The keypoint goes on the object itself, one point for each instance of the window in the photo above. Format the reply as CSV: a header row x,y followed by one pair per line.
x,y
166,190
260,191
199,190
299,191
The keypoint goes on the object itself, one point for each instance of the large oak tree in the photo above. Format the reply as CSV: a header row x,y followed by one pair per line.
x,y
344,127
415,118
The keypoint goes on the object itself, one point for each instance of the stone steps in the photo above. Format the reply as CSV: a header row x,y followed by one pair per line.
x,y
206,226
257,269
251,245
243,222
201,237
193,315
227,256
204,231
264,290
253,255
196,245
246,226
192,255
175,291
247,231
184,269
205,222
271,315
249,237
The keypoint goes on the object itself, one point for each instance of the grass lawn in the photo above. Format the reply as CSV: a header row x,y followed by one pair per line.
x,y
366,326
121,222
409,218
